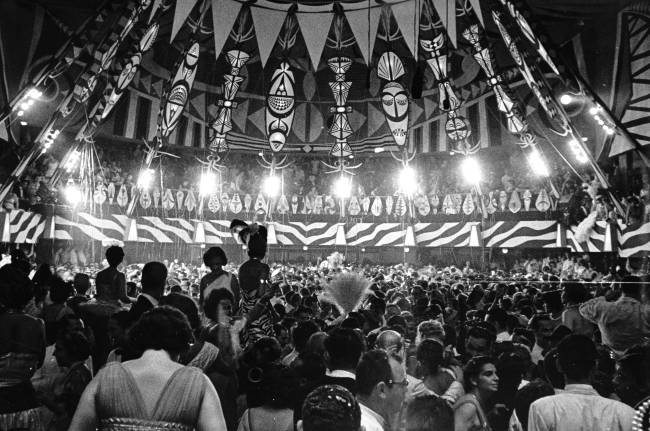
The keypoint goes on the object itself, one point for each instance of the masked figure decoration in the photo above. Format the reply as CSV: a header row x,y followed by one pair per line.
x,y
394,100
280,106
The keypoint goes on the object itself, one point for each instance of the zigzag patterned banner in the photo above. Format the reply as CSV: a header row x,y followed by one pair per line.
x,y
23,227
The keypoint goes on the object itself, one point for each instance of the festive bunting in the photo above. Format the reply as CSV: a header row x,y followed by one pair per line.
x,y
314,28
407,15
224,13
364,24
268,24
181,12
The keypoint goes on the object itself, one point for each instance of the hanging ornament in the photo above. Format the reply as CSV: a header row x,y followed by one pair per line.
x,y
340,128
122,197
294,204
389,205
503,200
491,207
111,193
176,98
330,205
542,203
248,200
222,123
225,200
283,205
145,199
365,204
514,205
394,100
527,199
156,197
180,198
468,205
354,208
280,106
168,200
400,206
99,196
376,207
435,203
318,205
190,201
213,203
235,204
422,205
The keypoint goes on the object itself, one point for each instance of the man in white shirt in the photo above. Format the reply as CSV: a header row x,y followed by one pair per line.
x,y
381,387
579,407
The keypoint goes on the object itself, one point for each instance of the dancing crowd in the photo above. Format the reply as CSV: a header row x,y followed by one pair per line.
x,y
320,348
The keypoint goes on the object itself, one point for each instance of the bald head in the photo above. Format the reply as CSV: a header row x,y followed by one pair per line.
x,y
390,341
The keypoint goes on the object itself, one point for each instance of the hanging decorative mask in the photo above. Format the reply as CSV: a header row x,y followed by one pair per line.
x,y
280,106
340,128
176,99
394,100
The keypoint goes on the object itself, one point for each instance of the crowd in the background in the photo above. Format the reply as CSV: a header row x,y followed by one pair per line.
x,y
503,169
544,344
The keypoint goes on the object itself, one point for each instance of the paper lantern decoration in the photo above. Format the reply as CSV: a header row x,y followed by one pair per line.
x,y
283,205
248,201
503,200
330,205
145,199
491,207
225,201
394,100
175,100
514,205
527,199
280,106
190,201
213,203
294,204
389,205
376,207
156,198
318,205
400,206
354,208
235,204
110,190
468,205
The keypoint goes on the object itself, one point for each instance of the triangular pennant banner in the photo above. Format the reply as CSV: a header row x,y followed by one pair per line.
x,y
364,23
268,24
154,8
182,11
476,5
407,16
224,13
315,27
447,12
340,235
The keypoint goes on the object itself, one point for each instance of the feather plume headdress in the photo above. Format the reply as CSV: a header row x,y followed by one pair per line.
x,y
346,291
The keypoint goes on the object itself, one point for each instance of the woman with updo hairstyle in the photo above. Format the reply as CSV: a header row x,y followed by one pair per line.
x,y
215,259
481,384
154,391
22,350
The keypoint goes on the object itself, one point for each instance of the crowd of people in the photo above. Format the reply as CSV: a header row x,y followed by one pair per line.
x,y
548,345
505,169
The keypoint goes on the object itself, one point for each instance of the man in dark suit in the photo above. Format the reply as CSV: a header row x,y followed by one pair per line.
x,y
344,348
154,277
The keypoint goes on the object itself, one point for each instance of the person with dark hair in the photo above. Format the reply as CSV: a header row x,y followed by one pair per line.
x,y
429,413
573,295
479,341
277,387
153,391
436,380
154,277
81,285
481,384
542,325
579,406
624,322
60,291
344,348
381,389
329,408
111,279
22,350
71,352
215,259
187,306
299,336
524,397
499,319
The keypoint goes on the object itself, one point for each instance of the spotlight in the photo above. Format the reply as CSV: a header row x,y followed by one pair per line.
x,y
407,180
504,250
609,130
208,183
379,150
406,249
471,170
145,179
537,164
72,161
72,194
343,187
363,250
305,248
565,99
20,113
23,123
34,93
272,185
594,110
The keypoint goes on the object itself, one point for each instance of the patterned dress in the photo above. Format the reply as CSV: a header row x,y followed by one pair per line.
x,y
251,275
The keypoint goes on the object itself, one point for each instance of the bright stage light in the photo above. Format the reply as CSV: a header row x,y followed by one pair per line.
x,y
146,178
471,170
379,150
272,185
504,250
343,187
407,180
594,110
34,93
72,194
207,183
565,99
537,163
